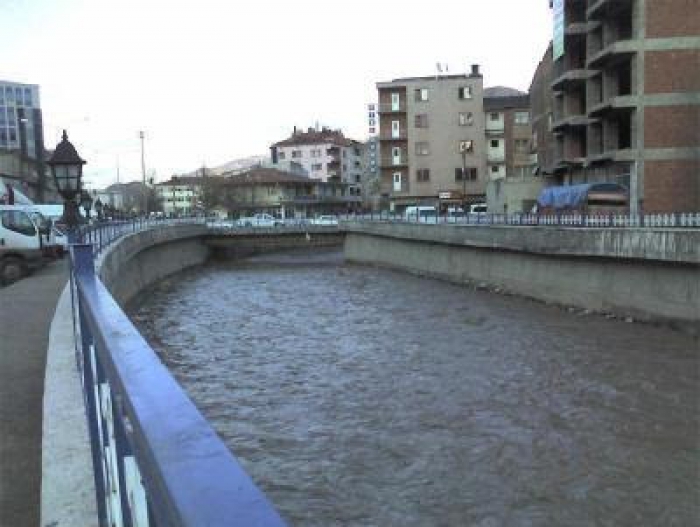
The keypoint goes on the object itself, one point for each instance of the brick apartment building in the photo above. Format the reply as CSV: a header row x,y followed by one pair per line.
x,y
424,123
617,98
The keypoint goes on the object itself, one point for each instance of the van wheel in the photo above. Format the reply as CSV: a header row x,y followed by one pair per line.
x,y
11,269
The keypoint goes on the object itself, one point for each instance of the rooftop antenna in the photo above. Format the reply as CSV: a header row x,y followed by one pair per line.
x,y
439,68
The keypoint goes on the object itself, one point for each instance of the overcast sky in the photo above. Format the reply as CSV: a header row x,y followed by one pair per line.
x,y
210,81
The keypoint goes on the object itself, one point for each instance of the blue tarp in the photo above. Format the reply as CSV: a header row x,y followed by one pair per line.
x,y
566,197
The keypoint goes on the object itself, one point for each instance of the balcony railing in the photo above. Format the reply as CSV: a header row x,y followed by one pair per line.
x,y
391,108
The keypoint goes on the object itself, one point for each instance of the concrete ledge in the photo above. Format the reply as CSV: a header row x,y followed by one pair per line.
x,y
664,245
68,484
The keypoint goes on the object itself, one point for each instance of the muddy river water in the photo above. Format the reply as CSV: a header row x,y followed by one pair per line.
x,y
365,397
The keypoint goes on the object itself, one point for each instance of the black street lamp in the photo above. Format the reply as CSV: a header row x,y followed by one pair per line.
x,y
86,203
67,170
98,209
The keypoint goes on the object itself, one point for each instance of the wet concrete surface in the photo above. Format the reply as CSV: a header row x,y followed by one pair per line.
x,y
360,396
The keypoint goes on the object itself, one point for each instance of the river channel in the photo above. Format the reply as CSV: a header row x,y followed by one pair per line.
x,y
357,396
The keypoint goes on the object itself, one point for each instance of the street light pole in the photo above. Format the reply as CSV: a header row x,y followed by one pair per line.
x,y
143,175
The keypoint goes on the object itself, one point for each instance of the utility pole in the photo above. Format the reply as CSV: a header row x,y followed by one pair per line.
x,y
143,176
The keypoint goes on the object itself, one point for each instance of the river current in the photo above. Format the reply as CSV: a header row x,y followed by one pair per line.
x,y
357,396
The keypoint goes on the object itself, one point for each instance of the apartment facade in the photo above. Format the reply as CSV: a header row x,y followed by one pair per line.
x,y
432,141
513,184
625,86
180,195
22,154
325,155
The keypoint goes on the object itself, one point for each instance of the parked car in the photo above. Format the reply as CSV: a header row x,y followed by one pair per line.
x,y
259,220
325,220
22,239
421,214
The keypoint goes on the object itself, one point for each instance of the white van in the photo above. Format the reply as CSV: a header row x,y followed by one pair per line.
x,y
421,214
21,242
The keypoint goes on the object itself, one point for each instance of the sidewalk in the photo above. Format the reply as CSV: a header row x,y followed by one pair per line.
x,y
26,310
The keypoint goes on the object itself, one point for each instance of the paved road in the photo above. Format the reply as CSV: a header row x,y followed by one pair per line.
x,y
26,310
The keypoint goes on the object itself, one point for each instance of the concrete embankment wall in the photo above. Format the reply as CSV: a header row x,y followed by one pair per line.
x,y
143,258
647,274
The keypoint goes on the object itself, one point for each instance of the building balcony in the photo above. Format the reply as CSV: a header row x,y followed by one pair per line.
x,y
576,29
601,8
390,108
570,121
495,130
571,77
620,103
393,163
390,137
611,155
498,156
618,50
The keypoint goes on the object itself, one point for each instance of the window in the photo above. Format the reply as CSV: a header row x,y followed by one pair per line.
x,y
522,117
422,149
281,155
358,178
494,143
27,97
494,168
345,153
372,130
521,146
465,92
372,122
395,102
296,154
494,116
423,174
18,222
371,115
421,94
397,181
466,118
317,166
422,120
395,129
470,176
466,146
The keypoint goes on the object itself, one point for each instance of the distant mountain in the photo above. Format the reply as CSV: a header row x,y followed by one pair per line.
x,y
237,165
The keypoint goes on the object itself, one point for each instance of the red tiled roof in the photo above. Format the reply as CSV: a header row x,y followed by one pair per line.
x,y
313,137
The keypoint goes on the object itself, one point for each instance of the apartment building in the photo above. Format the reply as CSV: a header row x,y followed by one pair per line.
x,y
22,154
180,195
432,141
325,155
513,185
625,87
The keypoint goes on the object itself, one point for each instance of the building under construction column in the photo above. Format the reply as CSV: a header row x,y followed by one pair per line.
x,y
625,88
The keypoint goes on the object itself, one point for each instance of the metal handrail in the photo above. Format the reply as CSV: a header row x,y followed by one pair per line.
x,y
157,460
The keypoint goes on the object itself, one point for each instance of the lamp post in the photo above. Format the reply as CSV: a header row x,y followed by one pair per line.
x,y
86,203
67,170
98,209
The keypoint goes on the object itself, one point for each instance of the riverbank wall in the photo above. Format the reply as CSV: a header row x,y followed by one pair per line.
x,y
647,274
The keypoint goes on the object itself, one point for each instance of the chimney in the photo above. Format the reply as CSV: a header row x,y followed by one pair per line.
x,y
475,70
295,131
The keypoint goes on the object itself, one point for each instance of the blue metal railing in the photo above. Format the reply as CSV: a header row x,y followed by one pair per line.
x,y
156,459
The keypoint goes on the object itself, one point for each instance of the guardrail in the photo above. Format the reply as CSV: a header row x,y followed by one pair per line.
x,y
103,234
677,220
156,459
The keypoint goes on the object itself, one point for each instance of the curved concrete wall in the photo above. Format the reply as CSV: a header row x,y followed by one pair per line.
x,y
645,274
143,258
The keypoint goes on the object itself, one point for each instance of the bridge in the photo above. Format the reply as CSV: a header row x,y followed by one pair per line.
x,y
152,459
